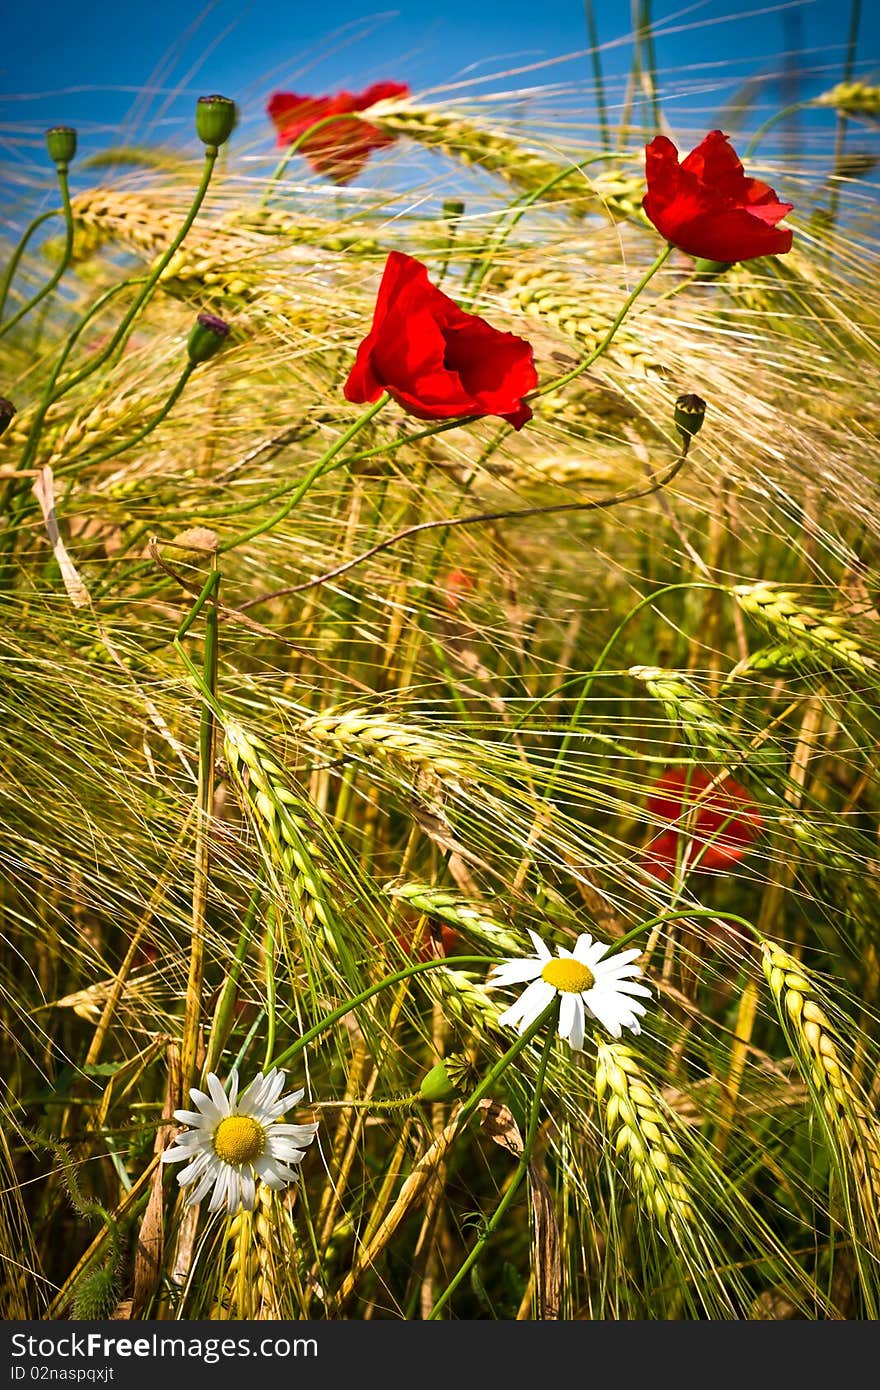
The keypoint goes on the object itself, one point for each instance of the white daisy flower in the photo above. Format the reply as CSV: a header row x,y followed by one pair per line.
x,y
589,982
235,1140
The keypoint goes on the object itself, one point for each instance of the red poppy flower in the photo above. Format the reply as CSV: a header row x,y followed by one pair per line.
x,y
435,360
457,586
706,206
339,150
720,827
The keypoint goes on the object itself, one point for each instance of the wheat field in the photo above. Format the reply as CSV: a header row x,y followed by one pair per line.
x,y
312,713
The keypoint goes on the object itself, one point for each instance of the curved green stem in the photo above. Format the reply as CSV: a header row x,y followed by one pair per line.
x,y
417,968
62,264
675,916
771,122
9,272
162,413
612,329
479,269
33,438
314,472
121,334
514,1184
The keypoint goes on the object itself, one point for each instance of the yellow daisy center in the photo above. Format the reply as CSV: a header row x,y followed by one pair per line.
x,y
568,975
239,1139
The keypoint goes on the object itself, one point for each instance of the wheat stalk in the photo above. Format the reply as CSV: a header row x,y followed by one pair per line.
x,y
816,1045
582,313
287,829
782,611
640,1129
619,195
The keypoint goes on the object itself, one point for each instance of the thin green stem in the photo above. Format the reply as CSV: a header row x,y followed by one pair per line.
x,y
516,1180
152,280
479,518
271,992
771,122
611,331
649,63
418,968
15,258
855,16
205,796
293,148
314,472
226,1002
598,77
480,268
162,413
62,264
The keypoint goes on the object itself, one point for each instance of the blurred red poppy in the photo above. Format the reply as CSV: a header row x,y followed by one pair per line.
x,y
456,587
706,206
341,149
436,361
720,828
439,939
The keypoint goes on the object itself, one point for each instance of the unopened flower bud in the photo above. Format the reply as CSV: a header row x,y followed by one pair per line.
x,y
7,410
207,336
703,266
453,208
61,144
216,118
690,411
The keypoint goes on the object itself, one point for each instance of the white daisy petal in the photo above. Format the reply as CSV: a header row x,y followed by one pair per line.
x,y
191,1117
301,1135
199,1165
543,952
249,1098
514,972
566,1015
248,1191
531,1004
582,948
209,1111
202,1189
576,1032
218,1095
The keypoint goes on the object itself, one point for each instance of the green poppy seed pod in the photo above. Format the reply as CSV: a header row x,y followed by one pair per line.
x,y
61,144
451,1076
690,411
207,336
703,266
437,1084
216,119
7,410
453,208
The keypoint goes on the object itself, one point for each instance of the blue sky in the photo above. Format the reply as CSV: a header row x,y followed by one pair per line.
x,y
120,71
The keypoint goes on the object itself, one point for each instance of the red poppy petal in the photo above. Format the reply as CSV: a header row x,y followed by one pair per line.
x,y
380,91
735,235
716,164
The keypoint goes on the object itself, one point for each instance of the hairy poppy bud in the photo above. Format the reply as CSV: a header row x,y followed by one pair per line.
x,y
207,336
216,119
690,411
453,208
7,410
703,266
61,144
